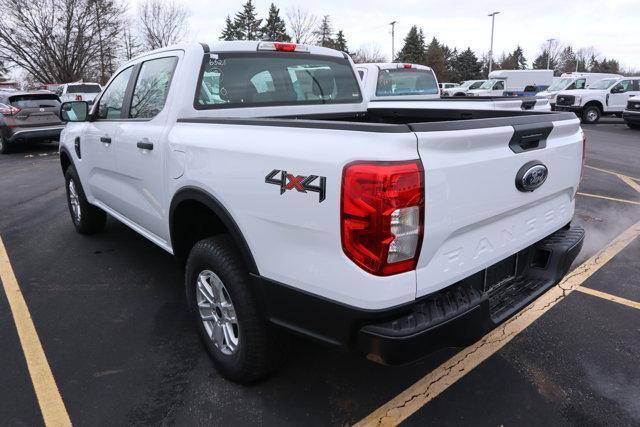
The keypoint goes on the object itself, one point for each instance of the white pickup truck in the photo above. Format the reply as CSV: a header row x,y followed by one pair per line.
x,y
573,81
631,114
416,86
293,207
607,96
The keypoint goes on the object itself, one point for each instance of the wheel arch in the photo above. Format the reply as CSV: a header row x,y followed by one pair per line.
x,y
594,102
188,198
65,159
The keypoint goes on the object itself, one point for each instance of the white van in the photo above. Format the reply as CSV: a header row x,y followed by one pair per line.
x,y
514,83
573,81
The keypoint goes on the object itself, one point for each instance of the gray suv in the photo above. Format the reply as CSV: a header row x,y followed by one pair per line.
x,y
28,116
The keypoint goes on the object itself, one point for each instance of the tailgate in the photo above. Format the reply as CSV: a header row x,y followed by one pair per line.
x,y
474,214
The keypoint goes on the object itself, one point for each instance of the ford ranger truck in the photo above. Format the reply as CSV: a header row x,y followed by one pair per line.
x,y
607,96
294,208
416,86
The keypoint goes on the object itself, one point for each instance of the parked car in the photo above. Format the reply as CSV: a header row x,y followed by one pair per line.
x,y
295,207
514,83
391,85
607,96
631,114
79,92
573,81
464,87
28,117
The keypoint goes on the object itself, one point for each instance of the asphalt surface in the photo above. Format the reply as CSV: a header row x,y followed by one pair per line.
x,y
111,315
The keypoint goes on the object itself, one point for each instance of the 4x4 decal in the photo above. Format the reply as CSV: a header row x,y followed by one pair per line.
x,y
287,181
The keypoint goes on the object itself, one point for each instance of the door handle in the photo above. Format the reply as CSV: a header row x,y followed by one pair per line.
x,y
105,139
145,145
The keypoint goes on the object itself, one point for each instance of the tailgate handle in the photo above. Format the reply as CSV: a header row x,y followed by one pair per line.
x,y
105,139
530,137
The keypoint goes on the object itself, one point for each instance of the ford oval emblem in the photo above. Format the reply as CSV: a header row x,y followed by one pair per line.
x,y
531,176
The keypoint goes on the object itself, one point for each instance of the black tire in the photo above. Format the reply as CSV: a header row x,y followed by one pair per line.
x,y
633,126
91,219
460,94
261,348
591,114
5,148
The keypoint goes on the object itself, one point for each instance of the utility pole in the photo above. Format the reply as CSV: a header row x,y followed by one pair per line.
x,y
493,21
393,40
549,52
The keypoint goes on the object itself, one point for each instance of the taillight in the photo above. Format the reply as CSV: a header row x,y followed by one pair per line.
x,y
9,110
407,66
382,215
282,47
78,97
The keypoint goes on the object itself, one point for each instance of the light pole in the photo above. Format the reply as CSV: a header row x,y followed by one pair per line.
x,y
493,21
549,52
393,40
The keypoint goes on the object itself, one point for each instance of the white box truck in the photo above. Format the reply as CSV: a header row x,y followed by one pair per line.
x,y
514,83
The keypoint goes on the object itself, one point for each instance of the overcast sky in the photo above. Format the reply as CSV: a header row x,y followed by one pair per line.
x,y
608,25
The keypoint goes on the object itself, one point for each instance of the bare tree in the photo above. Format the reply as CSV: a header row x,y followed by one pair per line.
x,y
369,52
108,25
302,24
162,23
584,57
130,42
55,40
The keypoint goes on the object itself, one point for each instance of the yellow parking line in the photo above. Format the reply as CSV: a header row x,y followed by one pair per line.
x,y
448,373
597,196
630,182
49,399
609,297
610,172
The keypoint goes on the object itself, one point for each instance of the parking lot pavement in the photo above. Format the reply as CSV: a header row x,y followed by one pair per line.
x,y
111,316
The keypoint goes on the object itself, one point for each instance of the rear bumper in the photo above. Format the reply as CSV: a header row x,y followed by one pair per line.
x,y
453,317
632,117
31,134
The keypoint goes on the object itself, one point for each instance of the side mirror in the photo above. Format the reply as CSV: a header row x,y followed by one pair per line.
x,y
74,111
617,89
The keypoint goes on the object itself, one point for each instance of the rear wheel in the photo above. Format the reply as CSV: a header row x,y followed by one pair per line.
x,y
87,219
244,347
4,147
591,114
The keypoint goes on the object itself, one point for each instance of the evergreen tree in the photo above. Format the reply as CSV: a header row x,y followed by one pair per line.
x,y
230,32
540,62
324,32
467,66
246,24
567,61
514,61
340,43
414,47
436,59
274,28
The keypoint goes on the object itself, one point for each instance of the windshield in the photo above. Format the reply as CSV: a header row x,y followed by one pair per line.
x,y
466,84
406,81
476,85
560,85
230,80
488,84
87,88
603,84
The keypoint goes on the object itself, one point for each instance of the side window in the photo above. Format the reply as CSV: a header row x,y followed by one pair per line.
x,y
152,87
499,85
623,86
580,83
637,87
112,100
361,74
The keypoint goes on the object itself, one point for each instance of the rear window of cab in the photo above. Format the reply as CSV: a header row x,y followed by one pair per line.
x,y
406,81
246,79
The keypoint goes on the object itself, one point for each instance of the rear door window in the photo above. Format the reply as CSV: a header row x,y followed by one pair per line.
x,y
406,81
152,87
272,78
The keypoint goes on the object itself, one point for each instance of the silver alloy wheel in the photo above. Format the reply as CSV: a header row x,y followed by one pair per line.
x,y
74,200
592,115
217,312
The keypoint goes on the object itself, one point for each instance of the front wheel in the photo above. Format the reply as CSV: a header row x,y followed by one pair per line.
x,y
4,147
87,219
591,114
244,347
